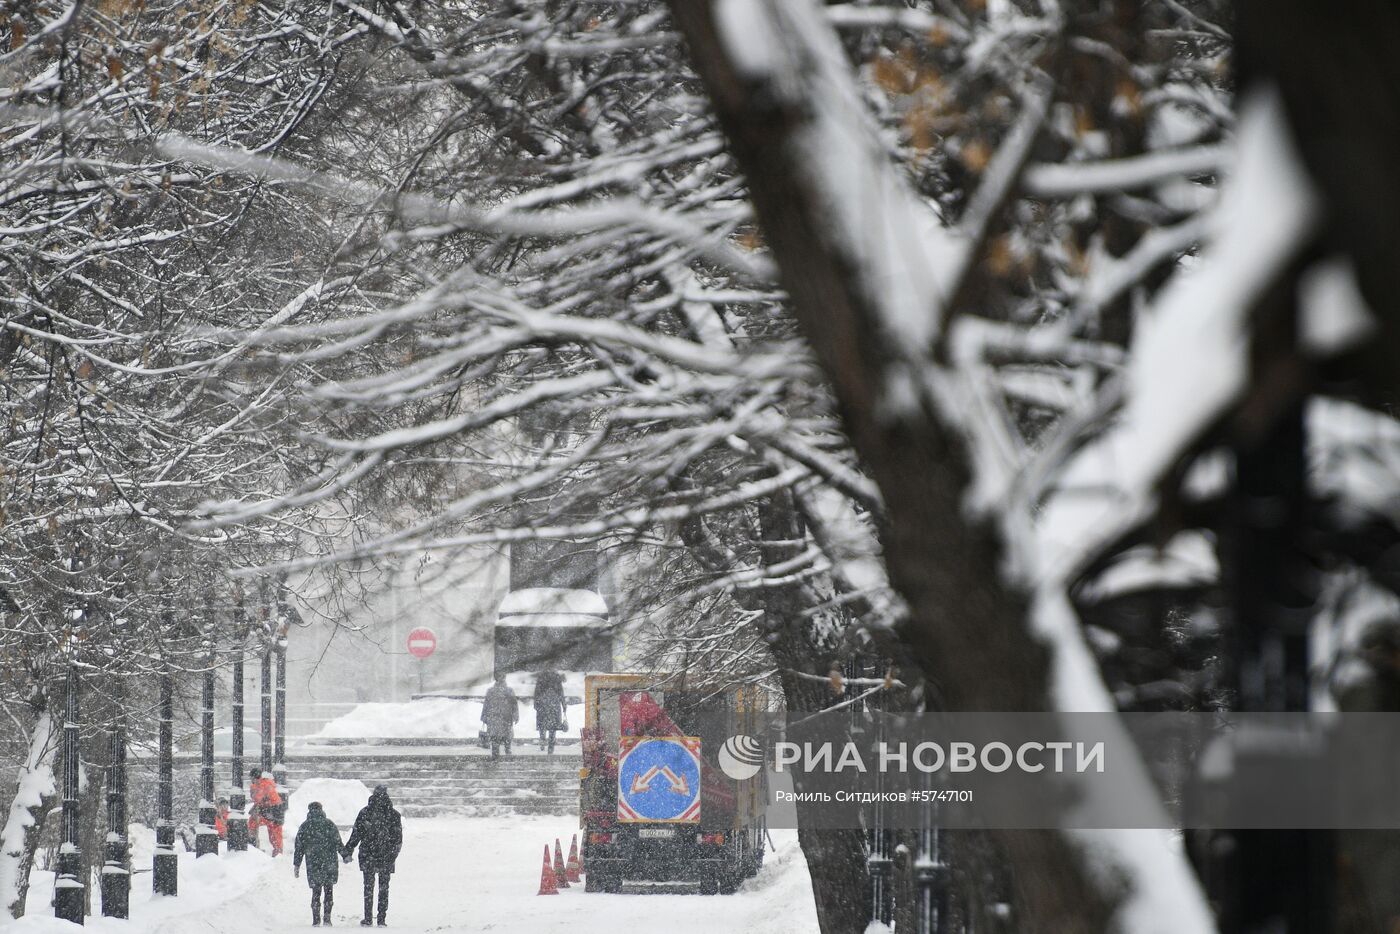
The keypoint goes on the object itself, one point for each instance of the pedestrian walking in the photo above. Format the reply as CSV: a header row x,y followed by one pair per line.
x,y
500,712
318,843
379,835
550,712
268,810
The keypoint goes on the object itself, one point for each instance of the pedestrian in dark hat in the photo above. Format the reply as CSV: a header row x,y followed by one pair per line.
x,y
549,707
379,835
500,711
318,842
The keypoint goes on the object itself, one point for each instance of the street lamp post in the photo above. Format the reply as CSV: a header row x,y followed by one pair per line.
x,y
279,748
116,867
265,759
206,839
165,866
69,897
237,798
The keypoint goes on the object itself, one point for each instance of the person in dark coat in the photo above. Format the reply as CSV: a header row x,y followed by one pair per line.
x,y
500,712
318,842
549,707
379,835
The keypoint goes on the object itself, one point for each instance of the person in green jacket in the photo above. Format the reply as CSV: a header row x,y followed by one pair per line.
x,y
318,842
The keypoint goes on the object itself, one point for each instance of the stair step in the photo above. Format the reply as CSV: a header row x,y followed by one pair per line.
x,y
434,785
432,810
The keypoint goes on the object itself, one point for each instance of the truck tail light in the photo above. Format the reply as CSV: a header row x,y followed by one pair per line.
x,y
600,837
716,838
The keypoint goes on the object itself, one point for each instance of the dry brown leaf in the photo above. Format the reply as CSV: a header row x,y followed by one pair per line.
x,y
975,156
1130,96
919,122
892,76
1000,259
1083,121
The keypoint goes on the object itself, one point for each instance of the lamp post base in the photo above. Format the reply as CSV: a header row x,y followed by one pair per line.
x,y
237,833
165,866
116,891
69,895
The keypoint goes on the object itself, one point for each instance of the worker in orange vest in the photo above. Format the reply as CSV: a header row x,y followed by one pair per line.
x,y
251,808
268,810
221,818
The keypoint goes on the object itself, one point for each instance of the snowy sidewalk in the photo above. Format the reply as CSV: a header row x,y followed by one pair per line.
x,y
469,875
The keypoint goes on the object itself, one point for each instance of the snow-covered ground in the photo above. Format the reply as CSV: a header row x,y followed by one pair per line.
x,y
204,884
455,876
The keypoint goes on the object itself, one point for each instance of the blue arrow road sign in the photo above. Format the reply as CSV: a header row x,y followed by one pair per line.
x,y
658,780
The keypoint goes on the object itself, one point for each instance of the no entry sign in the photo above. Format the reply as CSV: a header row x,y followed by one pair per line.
x,y
422,642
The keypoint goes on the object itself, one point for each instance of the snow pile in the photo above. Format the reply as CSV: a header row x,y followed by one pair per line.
x,y
435,718
205,884
779,898
341,797
46,923
426,718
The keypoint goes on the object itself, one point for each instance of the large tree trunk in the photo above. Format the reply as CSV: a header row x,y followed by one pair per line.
x,y
35,796
1335,67
835,858
966,631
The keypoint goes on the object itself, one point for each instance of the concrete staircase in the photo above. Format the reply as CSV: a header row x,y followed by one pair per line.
x,y
430,783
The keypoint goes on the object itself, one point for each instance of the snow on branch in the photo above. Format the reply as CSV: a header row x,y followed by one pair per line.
x,y
625,520
1190,356
611,214
564,387
909,19
1064,179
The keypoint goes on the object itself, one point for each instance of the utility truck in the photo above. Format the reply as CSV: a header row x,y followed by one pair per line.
x,y
656,808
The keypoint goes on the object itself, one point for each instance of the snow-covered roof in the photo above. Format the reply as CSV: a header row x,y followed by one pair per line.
x,y
552,620
542,601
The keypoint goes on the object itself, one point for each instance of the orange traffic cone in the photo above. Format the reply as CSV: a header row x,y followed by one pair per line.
x,y
548,886
561,875
573,869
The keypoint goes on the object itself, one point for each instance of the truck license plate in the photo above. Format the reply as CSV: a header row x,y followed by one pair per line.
x,y
656,833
